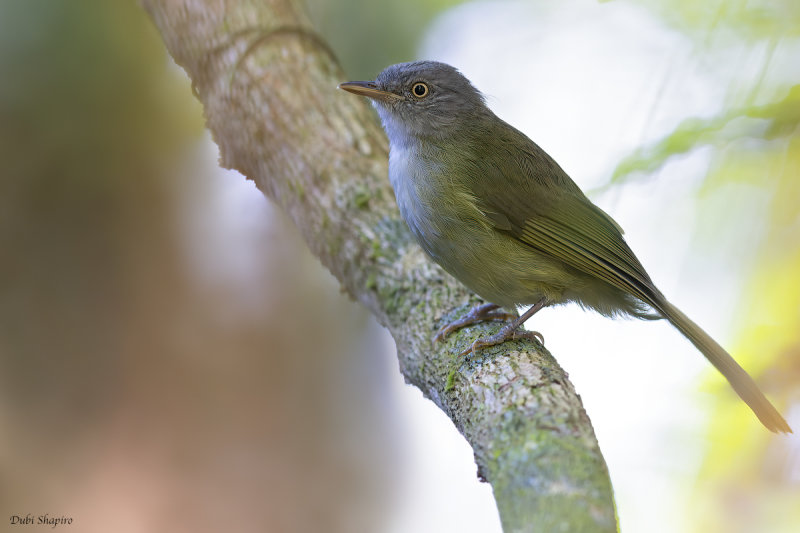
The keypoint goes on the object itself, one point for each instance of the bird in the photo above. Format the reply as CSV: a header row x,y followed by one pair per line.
x,y
495,211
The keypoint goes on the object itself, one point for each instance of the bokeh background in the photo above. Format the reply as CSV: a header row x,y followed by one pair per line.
x,y
173,359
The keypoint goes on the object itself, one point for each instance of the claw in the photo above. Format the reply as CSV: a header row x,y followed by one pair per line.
x,y
486,312
480,313
509,332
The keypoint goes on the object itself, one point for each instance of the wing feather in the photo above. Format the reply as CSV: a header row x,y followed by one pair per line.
x,y
541,206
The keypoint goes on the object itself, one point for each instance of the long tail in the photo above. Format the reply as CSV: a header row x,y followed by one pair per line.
x,y
740,380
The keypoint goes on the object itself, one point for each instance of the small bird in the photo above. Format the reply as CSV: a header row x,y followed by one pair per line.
x,y
495,211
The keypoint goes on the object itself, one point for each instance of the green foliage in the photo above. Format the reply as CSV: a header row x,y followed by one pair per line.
x,y
749,20
715,26
777,120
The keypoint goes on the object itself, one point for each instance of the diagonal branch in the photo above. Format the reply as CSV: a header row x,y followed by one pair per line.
x,y
268,86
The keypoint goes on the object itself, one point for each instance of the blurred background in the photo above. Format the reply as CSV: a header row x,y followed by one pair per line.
x,y
173,359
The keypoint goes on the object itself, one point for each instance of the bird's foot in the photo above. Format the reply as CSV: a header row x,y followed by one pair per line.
x,y
509,332
479,313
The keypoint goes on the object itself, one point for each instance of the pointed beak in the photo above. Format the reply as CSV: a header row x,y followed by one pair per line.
x,y
370,90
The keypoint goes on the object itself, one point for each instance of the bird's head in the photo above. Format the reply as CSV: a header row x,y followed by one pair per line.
x,y
421,99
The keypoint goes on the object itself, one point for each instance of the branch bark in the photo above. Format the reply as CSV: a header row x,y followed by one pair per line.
x,y
268,86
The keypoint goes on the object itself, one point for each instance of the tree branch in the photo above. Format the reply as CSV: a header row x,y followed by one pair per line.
x,y
268,86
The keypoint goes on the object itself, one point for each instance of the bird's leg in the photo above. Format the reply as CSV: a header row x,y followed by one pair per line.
x,y
510,331
479,313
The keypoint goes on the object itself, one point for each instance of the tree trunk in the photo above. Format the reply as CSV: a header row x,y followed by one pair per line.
x,y
268,86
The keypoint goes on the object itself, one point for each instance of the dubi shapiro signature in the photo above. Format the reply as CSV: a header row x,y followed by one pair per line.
x,y
41,520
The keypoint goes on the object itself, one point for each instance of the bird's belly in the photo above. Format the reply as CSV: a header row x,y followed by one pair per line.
x,y
493,265
461,240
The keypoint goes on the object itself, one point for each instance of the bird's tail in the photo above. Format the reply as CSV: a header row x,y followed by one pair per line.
x,y
740,380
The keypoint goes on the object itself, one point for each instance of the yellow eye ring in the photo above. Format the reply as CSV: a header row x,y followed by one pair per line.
x,y
420,90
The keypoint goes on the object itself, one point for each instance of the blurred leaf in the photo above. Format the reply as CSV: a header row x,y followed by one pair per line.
x,y
750,20
767,122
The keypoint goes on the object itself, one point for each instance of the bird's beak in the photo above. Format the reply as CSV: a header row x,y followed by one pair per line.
x,y
370,90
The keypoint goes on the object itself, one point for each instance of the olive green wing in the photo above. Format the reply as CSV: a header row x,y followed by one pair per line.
x,y
526,194
572,229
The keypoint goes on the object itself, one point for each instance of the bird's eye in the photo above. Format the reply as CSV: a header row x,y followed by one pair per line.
x,y
420,90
